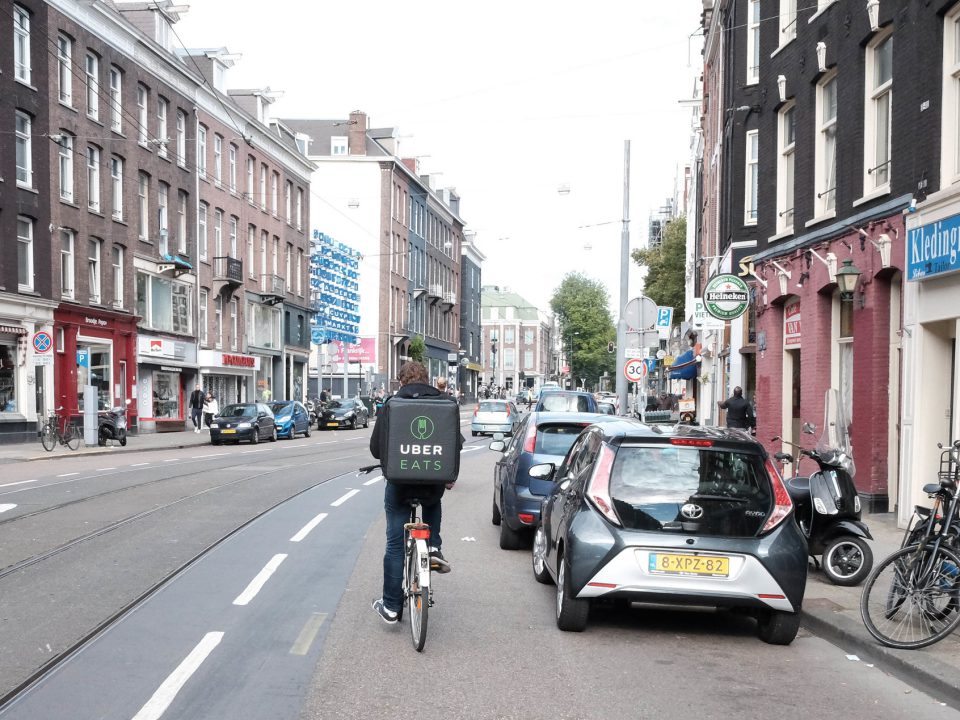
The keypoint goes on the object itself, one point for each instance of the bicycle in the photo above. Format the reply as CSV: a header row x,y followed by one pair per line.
x,y
417,589
912,599
51,434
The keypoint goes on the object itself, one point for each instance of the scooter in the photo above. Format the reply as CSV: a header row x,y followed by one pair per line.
x,y
112,425
827,504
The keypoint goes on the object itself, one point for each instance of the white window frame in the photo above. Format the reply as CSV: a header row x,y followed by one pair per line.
x,y
264,240
163,216
182,203
263,186
143,206
65,154
788,22
202,303
25,247
234,229
65,69
339,145
218,321
251,178
22,65
786,177
234,326
202,211
251,237
232,167
116,99
753,42
202,150
116,181
825,161
181,138
288,200
876,176
300,272
751,177
143,105
163,111
299,208
91,69
117,264
93,178
950,125
218,232
23,130
274,192
94,253
289,265
68,243
217,159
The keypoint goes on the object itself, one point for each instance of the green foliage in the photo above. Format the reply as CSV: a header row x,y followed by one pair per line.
x,y
666,268
417,348
582,309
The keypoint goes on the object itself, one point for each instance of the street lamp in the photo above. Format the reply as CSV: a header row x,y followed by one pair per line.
x,y
847,278
493,361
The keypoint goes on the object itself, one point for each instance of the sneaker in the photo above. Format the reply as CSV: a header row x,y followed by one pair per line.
x,y
437,562
388,616
196,430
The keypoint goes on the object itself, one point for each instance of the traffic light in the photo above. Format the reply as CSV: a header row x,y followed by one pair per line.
x,y
610,346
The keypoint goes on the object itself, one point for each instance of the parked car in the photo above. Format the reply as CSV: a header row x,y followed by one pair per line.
x,y
291,418
348,413
606,408
673,514
541,437
566,401
612,398
243,421
494,416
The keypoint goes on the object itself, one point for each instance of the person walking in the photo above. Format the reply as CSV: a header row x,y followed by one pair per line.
x,y
211,408
739,411
196,407
414,383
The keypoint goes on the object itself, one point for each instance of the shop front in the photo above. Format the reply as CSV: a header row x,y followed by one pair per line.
x,y
167,369
230,377
295,364
95,348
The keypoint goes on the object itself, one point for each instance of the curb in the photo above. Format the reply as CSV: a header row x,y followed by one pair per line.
x,y
85,451
925,672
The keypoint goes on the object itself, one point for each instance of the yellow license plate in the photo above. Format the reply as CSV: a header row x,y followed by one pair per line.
x,y
228,432
710,565
333,424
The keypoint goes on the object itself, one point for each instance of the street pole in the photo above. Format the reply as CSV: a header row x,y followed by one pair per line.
x,y
624,282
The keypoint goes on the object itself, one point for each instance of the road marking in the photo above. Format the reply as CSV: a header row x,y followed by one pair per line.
x,y
6,506
340,501
247,452
371,481
306,637
139,464
67,474
171,459
260,580
20,482
305,530
158,704
104,469
216,455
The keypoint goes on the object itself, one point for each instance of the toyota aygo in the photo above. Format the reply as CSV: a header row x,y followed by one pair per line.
x,y
679,515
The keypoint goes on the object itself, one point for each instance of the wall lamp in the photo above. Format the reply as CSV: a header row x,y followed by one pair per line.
x,y
821,56
847,278
830,261
782,87
873,13
803,276
783,276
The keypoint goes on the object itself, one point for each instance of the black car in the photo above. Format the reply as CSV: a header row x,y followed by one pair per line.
x,y
244,421
346,413
679,515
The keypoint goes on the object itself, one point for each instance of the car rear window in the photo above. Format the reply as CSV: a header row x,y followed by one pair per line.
x,y
493,407
564,403
556,439
699,491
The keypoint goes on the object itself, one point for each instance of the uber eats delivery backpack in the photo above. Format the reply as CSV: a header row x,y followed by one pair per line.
x,y
422,441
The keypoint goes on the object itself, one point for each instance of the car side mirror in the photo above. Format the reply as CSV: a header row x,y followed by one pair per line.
x,y
498,445
543,471
498,436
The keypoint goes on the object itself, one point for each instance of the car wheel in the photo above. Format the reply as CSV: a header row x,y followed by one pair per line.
x,y
473,433
495,515
255,436
353,424
540,572
571,611
214,442
847,560
273,435
777,627
510,539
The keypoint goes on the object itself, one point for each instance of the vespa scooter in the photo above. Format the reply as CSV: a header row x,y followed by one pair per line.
x,y
827,504
112,425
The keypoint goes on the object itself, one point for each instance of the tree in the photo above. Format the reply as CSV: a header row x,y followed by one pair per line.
x,y
417,348
582,309
665,282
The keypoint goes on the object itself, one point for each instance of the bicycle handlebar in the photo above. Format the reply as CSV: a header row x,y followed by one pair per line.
x,y
368,468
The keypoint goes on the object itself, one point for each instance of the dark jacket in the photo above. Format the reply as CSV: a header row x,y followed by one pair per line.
x,y
196,399
739,413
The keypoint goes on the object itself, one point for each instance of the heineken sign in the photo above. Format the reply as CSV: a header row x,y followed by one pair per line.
x,y
726,297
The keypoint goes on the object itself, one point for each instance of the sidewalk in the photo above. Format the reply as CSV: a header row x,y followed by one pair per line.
x,y
833,612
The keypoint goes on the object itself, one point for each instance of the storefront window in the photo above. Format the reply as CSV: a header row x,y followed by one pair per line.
x,y
166,395
94,368
263,326
164,304
8,378
265,381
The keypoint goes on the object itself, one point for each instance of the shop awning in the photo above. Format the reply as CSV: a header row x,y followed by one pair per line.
x,y
684,367
12,330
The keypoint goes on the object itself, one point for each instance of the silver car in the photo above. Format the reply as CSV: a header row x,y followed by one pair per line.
x,y
494,416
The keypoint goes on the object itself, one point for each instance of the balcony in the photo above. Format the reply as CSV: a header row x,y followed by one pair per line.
x,y
228,270
448,301
434,293
272,289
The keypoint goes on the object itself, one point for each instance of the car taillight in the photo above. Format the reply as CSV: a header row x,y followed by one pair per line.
x,y
781,498
476,410
508,411
598,490
530,441
691,442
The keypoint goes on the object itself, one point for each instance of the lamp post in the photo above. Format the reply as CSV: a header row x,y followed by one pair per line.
x,y
493,361
847,278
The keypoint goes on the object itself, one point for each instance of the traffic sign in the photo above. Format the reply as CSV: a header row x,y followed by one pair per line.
x,y
634,352
664,318
634,369
42,342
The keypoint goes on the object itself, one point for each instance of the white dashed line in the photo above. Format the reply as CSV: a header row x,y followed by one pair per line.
x,y
104,469
6,506
305,530
171,460
260,580
340,501
139,464
21,482
371,481
248,452
158,704
68,474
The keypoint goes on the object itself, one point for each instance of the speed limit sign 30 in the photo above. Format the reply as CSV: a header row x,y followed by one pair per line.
x,y
635,369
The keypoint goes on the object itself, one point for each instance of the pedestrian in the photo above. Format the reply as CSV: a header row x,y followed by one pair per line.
x,y
442,385
211,408
739,411
196,407
414,383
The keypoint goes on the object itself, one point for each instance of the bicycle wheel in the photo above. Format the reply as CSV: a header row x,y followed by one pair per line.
x,y
418,598
912,599
48,437
71,438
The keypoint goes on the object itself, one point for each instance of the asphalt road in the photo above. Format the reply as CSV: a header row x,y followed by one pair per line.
x,y
275,621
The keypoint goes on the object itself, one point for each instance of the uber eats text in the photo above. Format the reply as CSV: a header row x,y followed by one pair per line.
x,y
414,457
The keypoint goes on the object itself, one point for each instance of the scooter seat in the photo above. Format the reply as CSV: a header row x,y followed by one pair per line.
x,y
798,488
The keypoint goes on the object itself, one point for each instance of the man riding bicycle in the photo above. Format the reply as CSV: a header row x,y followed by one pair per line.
x,y
414,383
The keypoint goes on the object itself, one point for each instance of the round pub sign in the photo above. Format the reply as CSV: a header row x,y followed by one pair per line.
x,y
726,297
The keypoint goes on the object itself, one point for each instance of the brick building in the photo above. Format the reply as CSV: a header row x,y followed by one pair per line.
x,y
518,341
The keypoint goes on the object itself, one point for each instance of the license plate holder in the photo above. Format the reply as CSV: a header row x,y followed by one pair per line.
x,y
229,432
689,565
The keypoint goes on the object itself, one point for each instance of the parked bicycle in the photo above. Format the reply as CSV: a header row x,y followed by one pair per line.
x,y
51,433
912,599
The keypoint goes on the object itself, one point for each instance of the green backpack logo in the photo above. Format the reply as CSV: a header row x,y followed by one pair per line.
x,y
422,427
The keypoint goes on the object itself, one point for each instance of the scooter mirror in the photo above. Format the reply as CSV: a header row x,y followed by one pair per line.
x,y
809,428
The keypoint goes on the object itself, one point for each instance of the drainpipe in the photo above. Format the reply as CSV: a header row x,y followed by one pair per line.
x,y
196,224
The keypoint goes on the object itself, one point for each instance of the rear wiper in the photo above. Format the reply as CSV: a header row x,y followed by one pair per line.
x,y
719,498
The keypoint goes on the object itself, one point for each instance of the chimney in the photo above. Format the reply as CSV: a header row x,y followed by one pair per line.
x,y
412,164
357,136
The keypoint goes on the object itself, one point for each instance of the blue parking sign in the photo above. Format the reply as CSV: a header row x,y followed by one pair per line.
x,y
664,318
83,358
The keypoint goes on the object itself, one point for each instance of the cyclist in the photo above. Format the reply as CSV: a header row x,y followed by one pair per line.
x,y
414,383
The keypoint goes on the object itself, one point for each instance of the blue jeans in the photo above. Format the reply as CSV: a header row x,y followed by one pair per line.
x,y
398,513
196,414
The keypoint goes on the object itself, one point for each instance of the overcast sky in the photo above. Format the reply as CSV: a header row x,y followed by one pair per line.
x,y
508,100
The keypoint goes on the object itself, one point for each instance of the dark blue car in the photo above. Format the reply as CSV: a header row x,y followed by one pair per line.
x,y
542,437
291,418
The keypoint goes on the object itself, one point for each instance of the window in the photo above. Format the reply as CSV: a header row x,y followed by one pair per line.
x,y
528,359
218,321
93,268
143,206
263,186
509,358
202,231
338,145
181,138
234,221
232,167
753,41
233,324
163,199
181,221
24,149
251,235
300,272
117,263
288,265
202,150
528,336
263,325
274,190
786,140
67,274
218,233
751,178
950,142
92,68
276,255
24,253
143,101
164,304
93,178
66,166
217,159
251,164
116,99
203,317
299,208
788,21
264,240
116,182
288,199
163,107
21,44
65,68
826,150
879,109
